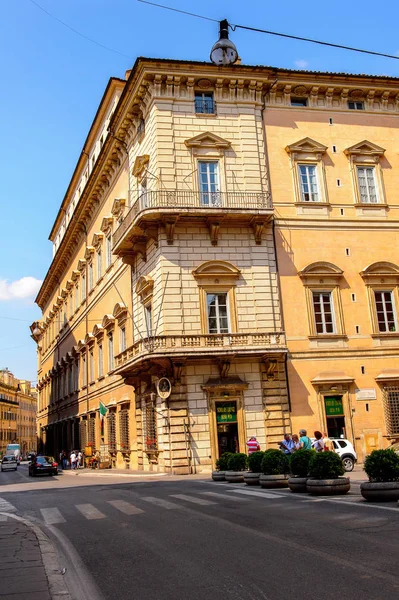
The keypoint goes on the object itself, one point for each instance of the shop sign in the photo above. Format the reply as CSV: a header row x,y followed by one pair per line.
x,y
366,394
226,412
334,406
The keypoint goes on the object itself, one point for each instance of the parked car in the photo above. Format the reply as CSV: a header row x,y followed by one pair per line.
x,y
44,465
346,451
9,463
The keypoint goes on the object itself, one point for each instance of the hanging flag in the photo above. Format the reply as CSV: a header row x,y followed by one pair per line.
x,y
103,410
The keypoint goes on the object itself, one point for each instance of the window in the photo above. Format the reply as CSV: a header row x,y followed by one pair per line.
x,y
76,297
141,130
149,426
217,313
84,370
91,278
110,352
70,305
323,312
148,319
367,185
108,248
70,379
143,193
384,305
124,429
91,365
83,290
122,339
391,407
299,101
77,367
111,429
100,360
356,105
99,264
209,183
204,103
308,183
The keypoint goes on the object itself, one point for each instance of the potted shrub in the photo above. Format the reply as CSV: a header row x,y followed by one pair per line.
x,y
275,466
236,465
325,475
221,467
382,469
251,477
299,467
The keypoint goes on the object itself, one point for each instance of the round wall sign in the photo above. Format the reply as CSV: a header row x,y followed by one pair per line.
x,y
164,388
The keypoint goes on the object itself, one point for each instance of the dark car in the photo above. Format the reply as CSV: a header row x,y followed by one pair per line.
x,y
9,463
43,464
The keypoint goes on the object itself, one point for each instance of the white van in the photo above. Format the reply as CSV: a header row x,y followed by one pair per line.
x,y
14,450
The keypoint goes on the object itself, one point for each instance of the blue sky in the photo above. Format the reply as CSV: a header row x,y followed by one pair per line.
x,y
53,80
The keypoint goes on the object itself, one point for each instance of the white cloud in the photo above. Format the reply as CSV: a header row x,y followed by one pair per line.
x,y
26,287
301,64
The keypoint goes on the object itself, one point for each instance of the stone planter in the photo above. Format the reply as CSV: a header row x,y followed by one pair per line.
x,y
382,491
218,475
251,478
297,484
234,476
273,481
328,487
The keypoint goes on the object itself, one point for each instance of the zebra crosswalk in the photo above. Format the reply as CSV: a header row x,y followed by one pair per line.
x,y
108,509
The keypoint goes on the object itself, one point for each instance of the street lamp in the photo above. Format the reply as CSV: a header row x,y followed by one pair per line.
x,y
224,51
36,331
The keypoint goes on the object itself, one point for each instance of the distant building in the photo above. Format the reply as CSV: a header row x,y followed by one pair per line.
x,y
213,212
18,402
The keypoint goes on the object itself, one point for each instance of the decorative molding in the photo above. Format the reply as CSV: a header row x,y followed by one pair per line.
x,y
170,225
97,239
208,140
108,322
106,224
258,226
145,288
365,151
140,165
305,147
214,228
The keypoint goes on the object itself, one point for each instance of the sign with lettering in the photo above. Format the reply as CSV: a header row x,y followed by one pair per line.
x,y
366,394
334,406
226,412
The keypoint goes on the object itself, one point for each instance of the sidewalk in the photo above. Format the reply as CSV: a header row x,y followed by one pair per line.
x,y
28,565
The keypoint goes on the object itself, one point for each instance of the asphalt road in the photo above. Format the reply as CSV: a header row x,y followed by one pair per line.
x,y
192,539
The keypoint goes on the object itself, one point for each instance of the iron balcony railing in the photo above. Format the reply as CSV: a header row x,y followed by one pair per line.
x,y
187,199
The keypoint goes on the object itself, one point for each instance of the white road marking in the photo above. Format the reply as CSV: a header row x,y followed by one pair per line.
x,y
89,511
225,496
52,516
6,506
125,507
192,499
160,502
259,494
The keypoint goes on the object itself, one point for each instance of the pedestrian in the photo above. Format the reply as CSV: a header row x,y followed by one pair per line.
x,y
287,445
253,445
80,459
64,460
318,444
73,460
304,440
60,457
328,445
296,442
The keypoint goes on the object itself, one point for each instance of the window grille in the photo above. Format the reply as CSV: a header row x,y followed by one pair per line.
x,y
111,427
124,429
391,408
91,432
204,103
150,427
83,433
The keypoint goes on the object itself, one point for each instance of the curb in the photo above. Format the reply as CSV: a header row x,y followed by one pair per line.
x,y
57,587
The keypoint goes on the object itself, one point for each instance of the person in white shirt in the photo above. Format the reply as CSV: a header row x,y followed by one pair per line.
x,y
318,444
73,460
79,459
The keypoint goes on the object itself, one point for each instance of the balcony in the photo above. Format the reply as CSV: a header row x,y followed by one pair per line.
x,y
199,346
153,206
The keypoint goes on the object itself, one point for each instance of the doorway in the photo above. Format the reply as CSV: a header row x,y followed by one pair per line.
x,y
335,417
227,427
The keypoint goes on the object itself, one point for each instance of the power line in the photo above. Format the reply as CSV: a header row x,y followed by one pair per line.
x,y
78,32
285,35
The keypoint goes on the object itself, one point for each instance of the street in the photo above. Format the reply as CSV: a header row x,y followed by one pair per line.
x,y
163,537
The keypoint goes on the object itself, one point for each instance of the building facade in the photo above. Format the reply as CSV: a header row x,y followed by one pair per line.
x,y
213,212
18,403
333,163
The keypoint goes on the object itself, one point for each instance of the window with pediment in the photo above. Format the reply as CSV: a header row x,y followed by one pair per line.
x,y
216,283
382,281
365,162
308,171
322,282
209,157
